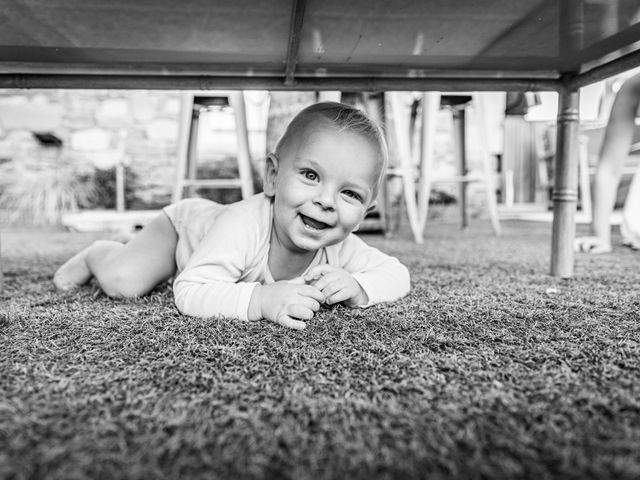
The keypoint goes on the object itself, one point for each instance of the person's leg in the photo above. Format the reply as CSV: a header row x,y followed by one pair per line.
x,y
630,227
615,150
125,270
613,153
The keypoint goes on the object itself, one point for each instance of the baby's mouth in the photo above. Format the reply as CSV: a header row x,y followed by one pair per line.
x,y
313,224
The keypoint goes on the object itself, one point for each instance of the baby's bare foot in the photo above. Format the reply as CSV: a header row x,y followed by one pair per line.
x,y
73,273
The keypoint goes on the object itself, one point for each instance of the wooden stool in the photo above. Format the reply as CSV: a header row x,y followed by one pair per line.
x,y
417,202
186,172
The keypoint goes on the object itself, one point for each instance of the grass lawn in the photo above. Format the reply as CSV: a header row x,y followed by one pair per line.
x,y
490,368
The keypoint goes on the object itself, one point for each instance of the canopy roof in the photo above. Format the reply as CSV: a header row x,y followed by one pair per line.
x,y
314,44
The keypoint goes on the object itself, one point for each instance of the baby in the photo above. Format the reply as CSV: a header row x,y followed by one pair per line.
x,y
277,255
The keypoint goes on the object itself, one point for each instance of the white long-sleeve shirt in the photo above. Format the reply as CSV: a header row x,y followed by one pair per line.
x,y
220,276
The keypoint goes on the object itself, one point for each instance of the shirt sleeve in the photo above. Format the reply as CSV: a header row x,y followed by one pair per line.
x,y
382,277
209,284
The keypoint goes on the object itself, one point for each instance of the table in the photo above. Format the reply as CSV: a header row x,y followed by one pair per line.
x,y
390,45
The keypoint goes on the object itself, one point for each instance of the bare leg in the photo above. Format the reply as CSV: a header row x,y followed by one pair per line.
x,y
630,227
73,273
614,151
125,270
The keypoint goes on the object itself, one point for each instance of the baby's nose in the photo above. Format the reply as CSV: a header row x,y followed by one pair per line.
x,y
324,198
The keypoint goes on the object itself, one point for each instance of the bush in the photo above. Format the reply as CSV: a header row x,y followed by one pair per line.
x,y
104,188
40,192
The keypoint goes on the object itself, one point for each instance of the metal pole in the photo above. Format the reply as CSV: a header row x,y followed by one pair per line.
x,y
211,82
615,67
565,191
242,139
295,32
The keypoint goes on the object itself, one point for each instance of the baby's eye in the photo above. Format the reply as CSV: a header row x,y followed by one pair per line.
x,y
352,194
310,175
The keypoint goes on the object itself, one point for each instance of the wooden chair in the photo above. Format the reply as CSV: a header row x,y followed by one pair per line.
x,y
417,176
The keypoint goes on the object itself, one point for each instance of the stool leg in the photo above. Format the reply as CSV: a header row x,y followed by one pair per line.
x,y
459,145
585,184
330,96
186,114
565,195
489,178
192,152
401,129
374,106
430,107
242,135
120,186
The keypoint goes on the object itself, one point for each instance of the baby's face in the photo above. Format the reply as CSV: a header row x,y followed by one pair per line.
x,y
323,187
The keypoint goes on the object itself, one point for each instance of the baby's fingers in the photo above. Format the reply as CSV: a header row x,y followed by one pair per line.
x,y
295,314
339,296
310,304
318,271
289,322
297,280
312,292
326,282
337,291
300,311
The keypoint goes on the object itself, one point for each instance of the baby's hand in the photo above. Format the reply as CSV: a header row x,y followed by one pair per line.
x,y
289,302
591,245
337,285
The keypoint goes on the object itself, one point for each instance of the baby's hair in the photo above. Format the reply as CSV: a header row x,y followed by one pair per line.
x,y
344,117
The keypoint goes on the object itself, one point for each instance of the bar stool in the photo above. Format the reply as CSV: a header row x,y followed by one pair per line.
x,y
193,105
417,200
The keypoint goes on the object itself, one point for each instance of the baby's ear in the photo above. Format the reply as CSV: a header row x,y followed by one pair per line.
x,y
371,207
270,174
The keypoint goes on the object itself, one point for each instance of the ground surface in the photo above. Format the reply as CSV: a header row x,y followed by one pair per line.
x,y
490,368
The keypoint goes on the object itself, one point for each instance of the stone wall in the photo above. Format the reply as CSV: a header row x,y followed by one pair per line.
x,y
99,128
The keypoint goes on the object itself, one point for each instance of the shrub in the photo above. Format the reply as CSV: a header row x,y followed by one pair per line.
x,y
104,188
40,192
